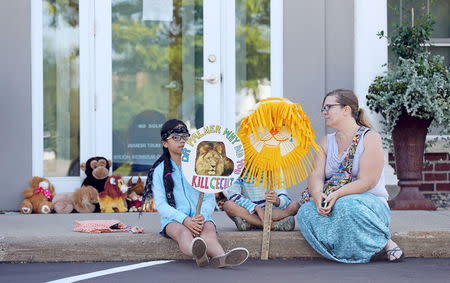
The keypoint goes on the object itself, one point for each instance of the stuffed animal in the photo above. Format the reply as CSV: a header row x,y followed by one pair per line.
x,y
97,171
135,191
38,197
63,202
85,199
220,200
138,187
112,199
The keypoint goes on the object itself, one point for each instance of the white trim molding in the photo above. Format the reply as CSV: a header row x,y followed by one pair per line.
x,y
370,55
276,47
37,89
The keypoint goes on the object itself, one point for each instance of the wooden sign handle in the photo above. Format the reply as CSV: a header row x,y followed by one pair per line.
x,y
266,231
199,203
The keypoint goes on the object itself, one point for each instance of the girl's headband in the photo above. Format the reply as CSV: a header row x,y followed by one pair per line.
x,y
177,130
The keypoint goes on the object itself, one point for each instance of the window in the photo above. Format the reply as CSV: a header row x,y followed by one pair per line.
x,y
61,88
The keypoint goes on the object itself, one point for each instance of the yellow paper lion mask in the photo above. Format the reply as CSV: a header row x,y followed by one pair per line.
x,y
278,142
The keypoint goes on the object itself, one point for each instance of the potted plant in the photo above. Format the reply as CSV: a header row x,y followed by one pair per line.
x,y
411,95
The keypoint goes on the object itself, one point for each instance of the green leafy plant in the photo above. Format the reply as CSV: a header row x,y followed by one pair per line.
x,y
418,86
418,83
408,40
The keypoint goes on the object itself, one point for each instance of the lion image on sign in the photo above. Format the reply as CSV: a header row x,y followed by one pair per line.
x,y
212,159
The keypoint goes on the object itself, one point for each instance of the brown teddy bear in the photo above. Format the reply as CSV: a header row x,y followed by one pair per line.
x,y
84,199
63,202
38,197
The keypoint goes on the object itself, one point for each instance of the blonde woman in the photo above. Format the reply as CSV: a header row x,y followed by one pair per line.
x,y
348,218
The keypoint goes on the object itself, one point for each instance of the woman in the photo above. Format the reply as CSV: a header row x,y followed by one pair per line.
x,y
348,219
176,202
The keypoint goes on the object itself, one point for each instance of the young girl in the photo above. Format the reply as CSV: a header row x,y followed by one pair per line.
x,y
176,202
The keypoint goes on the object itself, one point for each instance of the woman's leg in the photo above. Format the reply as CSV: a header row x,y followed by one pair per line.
x,y
210,236
235,210
181,235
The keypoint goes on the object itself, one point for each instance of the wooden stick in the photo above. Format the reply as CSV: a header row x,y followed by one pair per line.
x,y
266,231
199,203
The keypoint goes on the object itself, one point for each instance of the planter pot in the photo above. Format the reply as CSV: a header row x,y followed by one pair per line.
x,y
409,143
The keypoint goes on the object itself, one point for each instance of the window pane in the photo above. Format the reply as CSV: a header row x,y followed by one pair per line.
x,y
252,54
61,88
440,9
443,51
399,11
156,58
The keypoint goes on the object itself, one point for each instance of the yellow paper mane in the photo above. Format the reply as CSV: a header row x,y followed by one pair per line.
x,y
268,166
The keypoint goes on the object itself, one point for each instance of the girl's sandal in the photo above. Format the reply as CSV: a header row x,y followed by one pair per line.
x,y
234,257
393,254
198,248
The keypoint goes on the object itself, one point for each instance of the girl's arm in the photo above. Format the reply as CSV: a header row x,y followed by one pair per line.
x,y
159,195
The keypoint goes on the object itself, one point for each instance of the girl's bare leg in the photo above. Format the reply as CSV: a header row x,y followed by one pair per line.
x,y
182,236
210,236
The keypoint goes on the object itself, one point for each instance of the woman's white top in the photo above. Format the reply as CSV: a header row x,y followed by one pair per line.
x,y
334,160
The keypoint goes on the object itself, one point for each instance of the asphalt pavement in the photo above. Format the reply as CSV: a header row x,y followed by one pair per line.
x,y
411,270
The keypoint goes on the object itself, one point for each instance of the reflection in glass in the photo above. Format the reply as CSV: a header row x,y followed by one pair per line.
x,y
399,11
154,63
252,54
61,88
440,9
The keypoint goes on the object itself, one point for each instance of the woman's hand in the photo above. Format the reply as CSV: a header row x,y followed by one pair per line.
x,y
319,199
272,197
330,201
193,226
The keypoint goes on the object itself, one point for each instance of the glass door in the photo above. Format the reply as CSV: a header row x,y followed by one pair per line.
x,y
108,73
150,67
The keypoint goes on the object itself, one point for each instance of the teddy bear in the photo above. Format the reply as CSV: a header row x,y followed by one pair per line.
x,y
112,199
85,199
97,171
63,202
134,194
38,197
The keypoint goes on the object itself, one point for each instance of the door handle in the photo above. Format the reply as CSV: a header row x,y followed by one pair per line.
x,y
209,78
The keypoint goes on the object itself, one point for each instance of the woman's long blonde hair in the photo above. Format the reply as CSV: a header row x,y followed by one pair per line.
x,y
347,97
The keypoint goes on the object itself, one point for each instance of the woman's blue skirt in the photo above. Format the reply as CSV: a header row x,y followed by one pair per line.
x,y
357,228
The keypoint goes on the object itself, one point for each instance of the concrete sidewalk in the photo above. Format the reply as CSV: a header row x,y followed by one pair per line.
x,y
49,238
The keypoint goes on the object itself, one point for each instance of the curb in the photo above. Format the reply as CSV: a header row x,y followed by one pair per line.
x,y
151,246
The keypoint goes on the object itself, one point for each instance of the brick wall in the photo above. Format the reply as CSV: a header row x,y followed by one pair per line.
x,y
435,173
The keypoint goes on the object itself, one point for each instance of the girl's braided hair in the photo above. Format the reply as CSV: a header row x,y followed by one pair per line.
x,y
168,128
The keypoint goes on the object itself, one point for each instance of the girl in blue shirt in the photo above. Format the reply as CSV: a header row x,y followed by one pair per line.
x,y
176,202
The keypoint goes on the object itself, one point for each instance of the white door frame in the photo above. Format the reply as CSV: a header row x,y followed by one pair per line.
x,y
96,74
